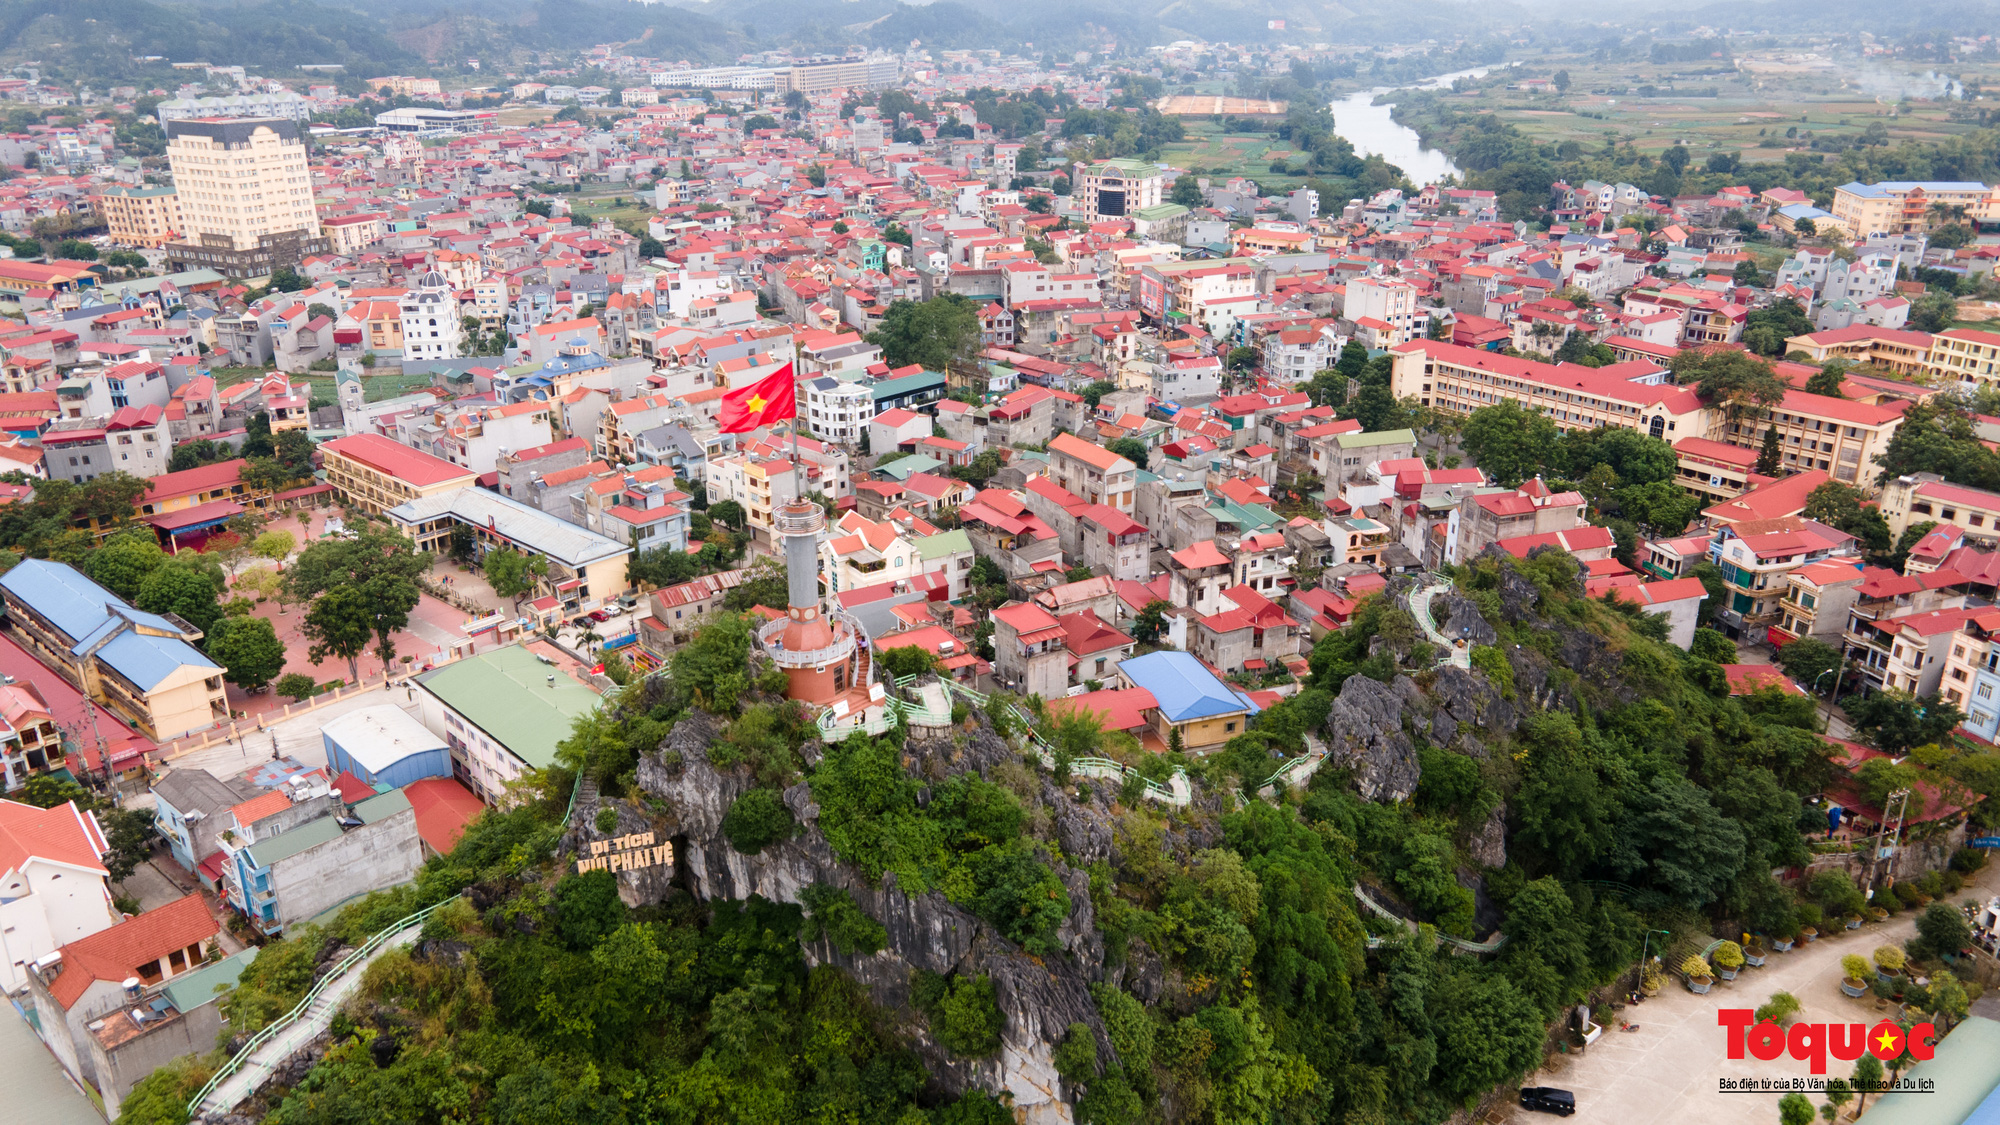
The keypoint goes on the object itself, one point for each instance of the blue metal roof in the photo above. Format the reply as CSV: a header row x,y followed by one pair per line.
x,y
1183,687
90,613
147,660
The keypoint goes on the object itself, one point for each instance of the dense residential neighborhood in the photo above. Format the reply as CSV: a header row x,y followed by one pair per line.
x,y
430,529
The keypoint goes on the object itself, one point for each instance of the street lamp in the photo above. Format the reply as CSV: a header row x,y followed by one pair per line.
x,y
1646,946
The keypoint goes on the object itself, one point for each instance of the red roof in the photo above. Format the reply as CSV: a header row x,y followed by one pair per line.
x,y
64,834
444,808
113,954
1117,709
259,807
399,461
193,482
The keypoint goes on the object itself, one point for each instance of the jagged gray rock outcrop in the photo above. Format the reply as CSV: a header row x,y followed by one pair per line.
x,y
1040,996
1488,846
1365,733
1463,619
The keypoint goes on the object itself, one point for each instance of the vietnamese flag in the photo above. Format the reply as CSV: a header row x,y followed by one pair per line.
x,y
774,398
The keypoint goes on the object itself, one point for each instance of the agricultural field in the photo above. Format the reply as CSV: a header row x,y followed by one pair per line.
x,y
1221,155
1762,110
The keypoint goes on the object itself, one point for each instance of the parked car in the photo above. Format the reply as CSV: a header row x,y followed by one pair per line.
x,y
1548,1099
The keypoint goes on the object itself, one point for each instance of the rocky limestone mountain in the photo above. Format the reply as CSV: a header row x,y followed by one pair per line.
x,y
685,796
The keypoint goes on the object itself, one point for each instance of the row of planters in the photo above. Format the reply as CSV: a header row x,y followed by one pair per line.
x,y
1890,962
1831,903
1725,961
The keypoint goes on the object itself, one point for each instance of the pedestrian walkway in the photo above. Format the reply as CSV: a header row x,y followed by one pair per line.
x,y
1459,656
294,1031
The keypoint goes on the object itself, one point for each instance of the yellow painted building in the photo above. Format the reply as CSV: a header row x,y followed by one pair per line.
x,y
139,216
376,474
1904,206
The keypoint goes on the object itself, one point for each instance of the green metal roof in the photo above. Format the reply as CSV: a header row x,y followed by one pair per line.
x,y
1380,437
285,845
938,546
506,693
381,806
191,990
1963,1073
1159,212
889,388
903,468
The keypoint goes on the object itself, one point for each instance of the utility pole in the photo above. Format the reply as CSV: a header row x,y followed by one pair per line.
x,y
1901,800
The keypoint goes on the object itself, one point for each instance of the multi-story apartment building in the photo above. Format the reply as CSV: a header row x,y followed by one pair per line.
x,y
1391,301
1834,435
1113,189
1906,652
1635,396
139,216
1903,351
1904,206
351,234
1485,518
246,195
1092,472
1030,650
403,85
1971,679
131,439
432,328
1929,498
1757,558
1816,602
376,474
760,485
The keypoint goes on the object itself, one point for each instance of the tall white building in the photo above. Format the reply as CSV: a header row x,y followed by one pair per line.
x,y
431,325
246,195
1389,301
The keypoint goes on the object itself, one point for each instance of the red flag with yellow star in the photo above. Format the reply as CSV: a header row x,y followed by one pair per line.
x,y
774,398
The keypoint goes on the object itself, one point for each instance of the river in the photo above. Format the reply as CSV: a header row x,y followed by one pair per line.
x,y
1372,132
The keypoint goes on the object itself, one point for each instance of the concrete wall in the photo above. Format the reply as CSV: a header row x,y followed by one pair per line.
x,y
121,1068
364,859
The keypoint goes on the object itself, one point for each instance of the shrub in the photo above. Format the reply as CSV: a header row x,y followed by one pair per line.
x,y
1808,914
607,820
298,685
841,920
1076,1055
1729,955
968,1019
1906,893
757,820
1940,929
1965,861
1890,958
1780,1008
1490,660
1855,966
1696,968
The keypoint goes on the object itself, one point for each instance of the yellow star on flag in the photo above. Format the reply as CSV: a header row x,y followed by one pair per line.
x,y
1888,1040
757,403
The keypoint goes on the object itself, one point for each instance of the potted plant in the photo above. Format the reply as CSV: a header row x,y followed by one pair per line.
x,y
1755,952
1651,979
1700,978
1727,958
1854,982
1876,914
1889,962
1810,918
1853,921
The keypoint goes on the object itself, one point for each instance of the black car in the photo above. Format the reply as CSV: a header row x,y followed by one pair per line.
x,y
1548,1099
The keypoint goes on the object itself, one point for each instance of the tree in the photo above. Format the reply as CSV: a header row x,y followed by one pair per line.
x,y
1941,929
1867,1079
513,573
1795,1109
374,552
276,546
124,561
1838,1094
1826,381
933,334
1132,449
1743,385
756,820
1187,192
186,589
1807,659
1770,457
1378,409
1151,623
728,512
1933,312
1897,722
339,624
1509,441
285,279
1561,81
249,651
1242,358
1711,645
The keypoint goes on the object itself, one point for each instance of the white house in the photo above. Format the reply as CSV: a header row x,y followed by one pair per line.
x,y
431,327
52,884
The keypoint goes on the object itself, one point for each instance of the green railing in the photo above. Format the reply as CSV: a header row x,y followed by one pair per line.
x,y
277,1027
373,945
